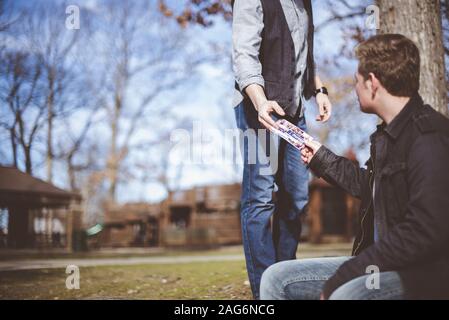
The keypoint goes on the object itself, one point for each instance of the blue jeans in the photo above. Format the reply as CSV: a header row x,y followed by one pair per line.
x,y
271,165
304,280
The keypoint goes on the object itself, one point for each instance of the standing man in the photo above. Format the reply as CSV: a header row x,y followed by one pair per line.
x,y
274,70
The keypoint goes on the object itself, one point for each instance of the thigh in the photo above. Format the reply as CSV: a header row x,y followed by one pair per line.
x,y
246,116
294,180
300,279
260,152
387,287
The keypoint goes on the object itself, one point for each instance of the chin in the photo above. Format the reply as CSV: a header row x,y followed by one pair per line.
x,y
365,109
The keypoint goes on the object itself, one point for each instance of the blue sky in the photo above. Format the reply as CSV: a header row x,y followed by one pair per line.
x,y
207,98
210,100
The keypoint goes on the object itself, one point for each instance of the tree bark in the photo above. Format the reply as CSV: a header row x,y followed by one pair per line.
x,y
420,20
12,132
28,162
113,161
50,112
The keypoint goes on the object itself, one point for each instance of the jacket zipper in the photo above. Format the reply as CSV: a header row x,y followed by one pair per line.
x,y
366,211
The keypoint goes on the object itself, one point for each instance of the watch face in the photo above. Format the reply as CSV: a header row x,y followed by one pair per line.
x,y
292,134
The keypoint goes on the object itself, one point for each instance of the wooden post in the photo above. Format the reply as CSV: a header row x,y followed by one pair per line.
x,y
74,222
163,219
315,215
69,230
50,228
18,237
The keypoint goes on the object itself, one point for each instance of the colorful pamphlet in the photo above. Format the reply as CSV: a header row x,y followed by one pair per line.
x,y
292,134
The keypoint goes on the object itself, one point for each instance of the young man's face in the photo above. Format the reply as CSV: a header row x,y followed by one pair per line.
x,y
364,93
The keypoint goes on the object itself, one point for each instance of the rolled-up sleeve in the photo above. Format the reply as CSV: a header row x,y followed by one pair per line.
x,y
247,27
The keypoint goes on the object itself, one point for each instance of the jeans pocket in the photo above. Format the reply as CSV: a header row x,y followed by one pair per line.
x,y
239,116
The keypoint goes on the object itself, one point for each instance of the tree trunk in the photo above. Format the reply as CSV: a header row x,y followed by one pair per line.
x,y
28,162
71,173
49,159
420,20
50,111
12,133
113,161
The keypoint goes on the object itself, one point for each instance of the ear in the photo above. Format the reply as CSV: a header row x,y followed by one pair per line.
x,y
374,84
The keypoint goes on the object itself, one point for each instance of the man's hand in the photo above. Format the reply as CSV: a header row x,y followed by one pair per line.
x,y
309,150
324,106
264,111
264,107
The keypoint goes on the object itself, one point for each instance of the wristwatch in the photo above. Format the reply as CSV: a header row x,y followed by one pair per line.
x,y
321,90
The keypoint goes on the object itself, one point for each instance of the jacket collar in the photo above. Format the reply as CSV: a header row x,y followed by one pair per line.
x,y
395,127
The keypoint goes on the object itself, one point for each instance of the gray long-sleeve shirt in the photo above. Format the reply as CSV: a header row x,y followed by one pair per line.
x,y
247,27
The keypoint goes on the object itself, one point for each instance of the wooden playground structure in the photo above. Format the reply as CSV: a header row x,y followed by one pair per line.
x,y
41,216
210,216
36,214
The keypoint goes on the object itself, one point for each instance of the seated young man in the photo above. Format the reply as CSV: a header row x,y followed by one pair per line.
x,y
404,216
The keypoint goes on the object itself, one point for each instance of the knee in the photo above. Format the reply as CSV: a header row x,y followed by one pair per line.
x,y
340,294
352,290
259,209
258,198
271,287
357,289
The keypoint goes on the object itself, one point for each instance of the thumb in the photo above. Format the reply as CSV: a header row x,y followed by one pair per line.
x,y
278,109
308,143
312,144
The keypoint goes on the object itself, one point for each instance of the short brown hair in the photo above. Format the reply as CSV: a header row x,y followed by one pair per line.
x,y
394,60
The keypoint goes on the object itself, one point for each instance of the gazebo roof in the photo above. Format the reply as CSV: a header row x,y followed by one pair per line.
x,y
19,188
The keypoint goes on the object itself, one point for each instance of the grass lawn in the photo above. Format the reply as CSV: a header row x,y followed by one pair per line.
x,y
212,280
195,280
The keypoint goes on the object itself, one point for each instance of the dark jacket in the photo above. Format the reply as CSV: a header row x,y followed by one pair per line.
x,y
410,166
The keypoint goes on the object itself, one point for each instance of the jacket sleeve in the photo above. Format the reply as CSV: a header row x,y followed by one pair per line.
x,y
339,171
424,233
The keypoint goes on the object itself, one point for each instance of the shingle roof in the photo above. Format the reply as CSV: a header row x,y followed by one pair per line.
x,y
14,182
